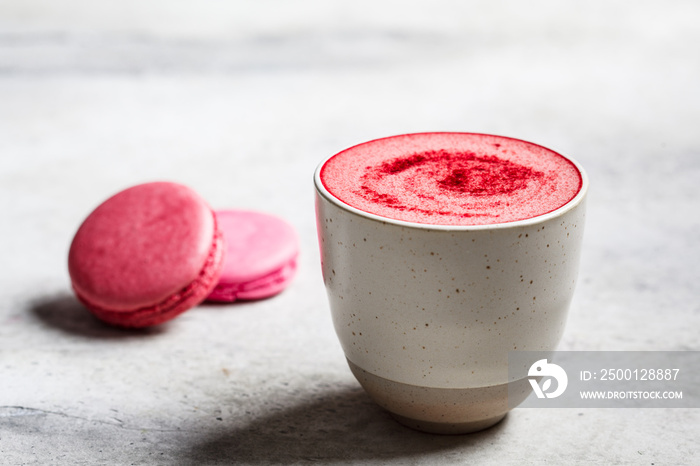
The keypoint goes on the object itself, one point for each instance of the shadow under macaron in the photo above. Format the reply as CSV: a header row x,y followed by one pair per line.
x,y
64,312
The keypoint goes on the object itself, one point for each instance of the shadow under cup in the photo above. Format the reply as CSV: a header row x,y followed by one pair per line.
x,y
426,314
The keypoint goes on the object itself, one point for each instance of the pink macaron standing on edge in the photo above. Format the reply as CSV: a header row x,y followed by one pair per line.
x,y
146,255
261,256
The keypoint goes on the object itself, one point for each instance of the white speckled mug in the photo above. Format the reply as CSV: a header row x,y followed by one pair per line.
x,y
426,314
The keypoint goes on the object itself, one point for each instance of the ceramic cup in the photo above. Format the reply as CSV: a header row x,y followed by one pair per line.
x,y
426,314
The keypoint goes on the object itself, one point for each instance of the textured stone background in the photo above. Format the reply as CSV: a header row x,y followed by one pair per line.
x,y
241,100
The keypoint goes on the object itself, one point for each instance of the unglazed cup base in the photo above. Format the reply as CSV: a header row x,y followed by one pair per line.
x,y
442,410
445,428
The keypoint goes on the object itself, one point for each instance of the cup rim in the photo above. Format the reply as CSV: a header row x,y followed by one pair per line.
x,y
571,204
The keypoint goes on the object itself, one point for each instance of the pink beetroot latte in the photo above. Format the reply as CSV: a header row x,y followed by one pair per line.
x,y
451,178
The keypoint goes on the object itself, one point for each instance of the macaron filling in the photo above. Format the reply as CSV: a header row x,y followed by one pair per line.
x,y
262,287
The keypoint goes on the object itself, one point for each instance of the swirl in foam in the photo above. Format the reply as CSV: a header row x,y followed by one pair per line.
x,y
451,178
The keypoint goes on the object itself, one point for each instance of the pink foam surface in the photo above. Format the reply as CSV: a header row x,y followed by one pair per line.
x,y
452,178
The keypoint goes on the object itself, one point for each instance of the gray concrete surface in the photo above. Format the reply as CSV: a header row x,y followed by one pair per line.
x,y
241,100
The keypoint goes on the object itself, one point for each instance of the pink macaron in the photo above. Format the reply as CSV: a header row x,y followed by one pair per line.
x,y
146,255
261,256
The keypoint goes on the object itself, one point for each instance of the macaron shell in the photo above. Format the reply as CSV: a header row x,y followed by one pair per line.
x,y
175,304
261,253
144,246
